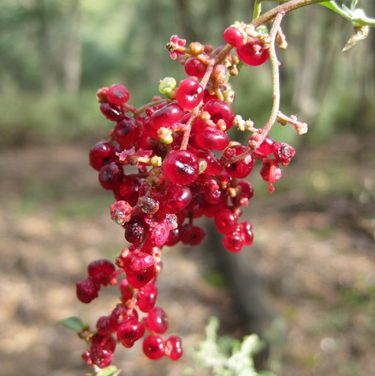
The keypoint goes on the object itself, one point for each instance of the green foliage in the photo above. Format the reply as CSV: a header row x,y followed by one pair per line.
x,y
226,356
74,323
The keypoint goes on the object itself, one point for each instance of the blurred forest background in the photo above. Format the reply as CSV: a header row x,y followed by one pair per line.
x,y
55,54
312,266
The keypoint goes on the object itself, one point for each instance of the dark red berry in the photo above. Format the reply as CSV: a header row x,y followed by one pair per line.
x,y
192,235
129,332
87,290
283,152
126,133
110,175
101,153
225,221
242,168
111,112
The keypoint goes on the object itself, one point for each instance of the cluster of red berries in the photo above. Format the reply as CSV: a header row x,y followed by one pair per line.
x,y
169,163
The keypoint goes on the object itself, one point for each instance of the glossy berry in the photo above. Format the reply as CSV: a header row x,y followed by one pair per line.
x,y
117,95
181,167
101,153
233,241
177,198
220,110
247,233
253,53
111,112
264,149
194,67
166,116
100,357
129,332
101,271
86,290
110,175
173,348
134,231
146,297
225,221
157,320
141,278
233,36
153,347
211,138
189,93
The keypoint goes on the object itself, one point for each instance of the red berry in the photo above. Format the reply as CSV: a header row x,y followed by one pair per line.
x,y
126,132
103,325
220,110
233,36
233,241
129,332
134,231
153,347
110,175
100,357
211,138
146,297
141,278
173,347
111,112
181,167
189,93
101,271
247,233
225,221
194,67
177,198
157,320
192,235
87,290
117,95
253,53
101,153
264,149
166,116
270,172
242,168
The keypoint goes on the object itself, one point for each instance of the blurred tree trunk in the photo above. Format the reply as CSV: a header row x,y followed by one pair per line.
x,y
49,71
71,59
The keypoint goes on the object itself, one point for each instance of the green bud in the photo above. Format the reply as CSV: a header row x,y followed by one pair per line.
x,y
167,85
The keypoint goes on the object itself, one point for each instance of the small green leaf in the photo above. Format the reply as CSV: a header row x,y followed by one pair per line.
x,y
74,323
108,371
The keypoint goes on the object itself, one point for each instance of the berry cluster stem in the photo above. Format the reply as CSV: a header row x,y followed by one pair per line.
x,y
275,81
195,111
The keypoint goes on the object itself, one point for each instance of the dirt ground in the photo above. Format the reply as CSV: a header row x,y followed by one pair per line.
x,y
314,252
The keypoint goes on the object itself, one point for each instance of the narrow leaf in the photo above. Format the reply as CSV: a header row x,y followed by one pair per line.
x,y
73,323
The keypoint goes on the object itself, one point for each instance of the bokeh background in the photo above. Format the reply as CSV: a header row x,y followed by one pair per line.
x,y
308,283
